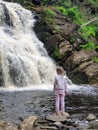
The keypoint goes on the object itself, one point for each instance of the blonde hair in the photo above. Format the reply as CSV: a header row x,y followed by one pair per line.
x,y
60,70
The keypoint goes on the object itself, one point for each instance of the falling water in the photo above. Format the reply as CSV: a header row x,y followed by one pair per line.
x,y
23,59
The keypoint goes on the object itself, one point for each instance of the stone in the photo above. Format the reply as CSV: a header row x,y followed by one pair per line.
x,y
65,47
7,126
28,123
3,123
69,127
48,127
91,117
94,124
58,123
58,118
83,126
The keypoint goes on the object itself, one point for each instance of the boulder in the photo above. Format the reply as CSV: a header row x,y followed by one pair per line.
x,y
81,68
90,117
28,123
58,118
94,124
6,126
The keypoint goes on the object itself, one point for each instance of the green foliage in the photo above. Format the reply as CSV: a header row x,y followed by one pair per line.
x,y
88,46
49,15
44,2
62,9
97,48
64,3
49,12
95,58
88,31
79,18
94,2
72,39
73,13
96,33
56,52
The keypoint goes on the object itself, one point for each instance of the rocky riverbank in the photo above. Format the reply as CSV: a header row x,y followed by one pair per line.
x,y
55,122
34,110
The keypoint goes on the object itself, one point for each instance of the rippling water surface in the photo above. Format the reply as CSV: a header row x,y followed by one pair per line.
x,y
18,103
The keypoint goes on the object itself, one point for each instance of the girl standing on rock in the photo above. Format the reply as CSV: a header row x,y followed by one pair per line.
x,y
60,85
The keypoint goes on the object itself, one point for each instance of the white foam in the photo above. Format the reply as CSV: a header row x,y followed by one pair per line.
x,y
77,89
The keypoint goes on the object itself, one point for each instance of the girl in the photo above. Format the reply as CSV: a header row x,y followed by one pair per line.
x,y
60,85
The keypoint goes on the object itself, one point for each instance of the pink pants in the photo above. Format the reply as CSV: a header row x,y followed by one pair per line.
x,y
59,100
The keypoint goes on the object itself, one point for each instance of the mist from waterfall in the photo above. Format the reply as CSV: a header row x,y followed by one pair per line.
x,y
23,58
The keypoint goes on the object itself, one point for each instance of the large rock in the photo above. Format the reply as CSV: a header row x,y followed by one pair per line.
x,y
6,126
90,117
94,124
81,68
58,118
52,42
28,123
65,47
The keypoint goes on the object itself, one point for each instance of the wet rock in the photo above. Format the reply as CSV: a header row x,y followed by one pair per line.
x,y
79,116
69,127
65,47
7,126
3,123
83,125
52,41
58,118
94,124
59,125
81,68
28,123
90,117
48,127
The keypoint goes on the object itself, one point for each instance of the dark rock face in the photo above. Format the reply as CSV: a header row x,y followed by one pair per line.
x,y
78,63
81,68
36,2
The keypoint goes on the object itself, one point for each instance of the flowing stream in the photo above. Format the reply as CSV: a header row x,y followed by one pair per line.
x,y
27,72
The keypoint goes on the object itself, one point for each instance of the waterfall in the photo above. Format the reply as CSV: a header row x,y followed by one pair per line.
x,y
23,58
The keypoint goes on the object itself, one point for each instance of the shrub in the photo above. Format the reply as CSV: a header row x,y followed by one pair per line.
x,y
88,46
49,12
56,52
88,31
95,58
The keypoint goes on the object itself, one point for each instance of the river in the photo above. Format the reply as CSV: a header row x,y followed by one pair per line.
x,y
19,103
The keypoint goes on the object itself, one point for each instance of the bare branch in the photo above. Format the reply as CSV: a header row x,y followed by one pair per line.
x,y
89,22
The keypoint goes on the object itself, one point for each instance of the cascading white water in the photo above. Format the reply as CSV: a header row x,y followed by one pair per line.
x,y
23,59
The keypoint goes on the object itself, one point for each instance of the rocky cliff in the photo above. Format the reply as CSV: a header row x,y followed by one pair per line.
x,y
62,39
